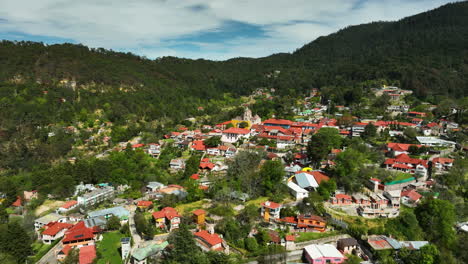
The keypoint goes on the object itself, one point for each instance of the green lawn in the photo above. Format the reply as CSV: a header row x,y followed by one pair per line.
x,y
189,207
40,249
109,248
314,235
401,176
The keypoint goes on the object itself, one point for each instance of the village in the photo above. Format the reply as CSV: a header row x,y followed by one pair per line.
x,y
101,221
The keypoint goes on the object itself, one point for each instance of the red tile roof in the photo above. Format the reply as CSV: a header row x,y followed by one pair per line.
x,y
290,238
211,239
207,165
199,212
198,145
278,122
318,176
401,146
78,232
87,254
443,160
18,202
195,176
65,250
271,205
55,228
342,196
233,130
69,204
166,212
144,203
412,194
137,145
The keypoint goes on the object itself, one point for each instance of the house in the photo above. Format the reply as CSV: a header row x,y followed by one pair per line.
x,y
18,202
311,222
416,114
232,135
298,192
405,163
52,217
319,254
144,205
400,148
154,149
118,211
63,253
154,186
198,145
96,196
167,218
410,197
442,164
142,254
290,242
210,241
98,222
53,231
177,164
270,210
87,254
347,245
174,189
79,235
341,199
434,141
199,216
278,122
306,180
68,206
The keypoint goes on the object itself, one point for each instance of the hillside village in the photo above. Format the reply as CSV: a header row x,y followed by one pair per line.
x,y
324,186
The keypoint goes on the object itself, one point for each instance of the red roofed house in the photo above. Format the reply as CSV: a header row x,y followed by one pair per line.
x,y
198,145
442,163
289,242
144,205
278,122
87,254
206,166
341,199
416,114
63,253
68,206
79,235
313,222
53,231
400,148
167,218
210,241
410,197
270,210
18,202
407,164
232,135
195,176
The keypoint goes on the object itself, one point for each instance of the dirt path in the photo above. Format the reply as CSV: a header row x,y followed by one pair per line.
x,y
48,205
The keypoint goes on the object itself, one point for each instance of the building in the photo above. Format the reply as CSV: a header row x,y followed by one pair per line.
x,y
87,254
154,149
434,141
53,231
347,245
319,254
79,235
167,218
125,247
154,186
177,164
381,242
442,164
199,216
96,196
400,148
270,210
311,222
341,199
298,192
118,211
144,205
410,197
232,135
52,217
68,206
210,241
406,164
141,255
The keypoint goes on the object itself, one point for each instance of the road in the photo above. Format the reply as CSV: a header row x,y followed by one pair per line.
x,y
49,257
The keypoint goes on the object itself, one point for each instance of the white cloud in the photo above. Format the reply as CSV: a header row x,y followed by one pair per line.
x,y
151,27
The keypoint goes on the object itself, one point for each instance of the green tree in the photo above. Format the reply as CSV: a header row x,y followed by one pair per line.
x,y
113,223
271,173
184,248
405,227
243,124
347,169
370,131
437,218
212,142
72,257
191,166
322,142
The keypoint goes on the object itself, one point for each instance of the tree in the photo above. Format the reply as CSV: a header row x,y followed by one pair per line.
x,y
184,248
352,259
271,173
410,133
191,166
19,242
347,169
322,142
326,188
437,218
212,141
72,257
370,131
113,223
243,124
405,227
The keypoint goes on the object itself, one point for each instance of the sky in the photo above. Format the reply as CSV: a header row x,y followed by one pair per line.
x,y
209,29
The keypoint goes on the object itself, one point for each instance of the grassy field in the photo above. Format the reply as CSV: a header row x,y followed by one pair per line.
x,y
257,201
306,236
109,248
40,249
187,208
402,176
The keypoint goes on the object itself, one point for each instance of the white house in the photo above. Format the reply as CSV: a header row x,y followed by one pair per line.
x,y
232,135
96,196
298,192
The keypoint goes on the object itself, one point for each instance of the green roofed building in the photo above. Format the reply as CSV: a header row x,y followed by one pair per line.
x,y
140,255
398,184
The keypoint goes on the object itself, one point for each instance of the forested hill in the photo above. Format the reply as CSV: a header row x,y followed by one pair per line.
x,y
426,52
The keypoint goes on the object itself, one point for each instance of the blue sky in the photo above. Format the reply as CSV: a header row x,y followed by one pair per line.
x,y
211,29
